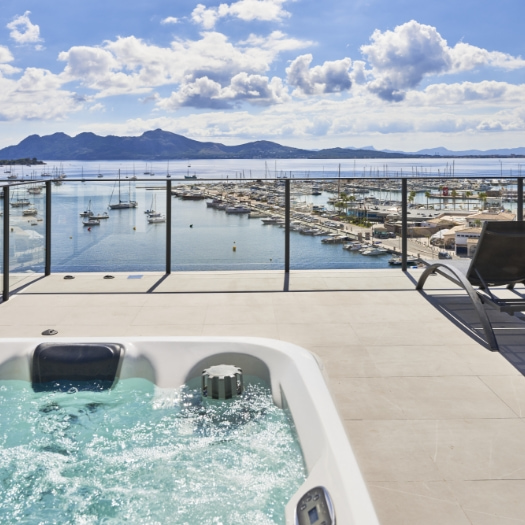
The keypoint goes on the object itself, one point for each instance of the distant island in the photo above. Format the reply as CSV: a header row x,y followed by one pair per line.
x,y
164,145
21,162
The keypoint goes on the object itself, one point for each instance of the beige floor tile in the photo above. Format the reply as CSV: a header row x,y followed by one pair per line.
x,y
416,503
390,451
346,361
94,283
492,502
313,335
99,316
22,316
166,315
241,300
418,398
406,333
480,449
262,314
510,389
241,330
464,360
308,313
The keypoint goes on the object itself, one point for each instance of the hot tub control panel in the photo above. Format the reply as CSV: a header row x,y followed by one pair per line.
x,y
315,508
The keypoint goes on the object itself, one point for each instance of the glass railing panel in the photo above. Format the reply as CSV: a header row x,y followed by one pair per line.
x,y
101,225
2,240
217,226
334,222
445,215
26,232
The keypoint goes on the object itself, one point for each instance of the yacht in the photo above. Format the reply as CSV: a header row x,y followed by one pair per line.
x,y
91,222
239,208
374,251
122,205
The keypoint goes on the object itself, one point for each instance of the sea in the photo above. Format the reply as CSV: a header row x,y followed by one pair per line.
x,y
203,239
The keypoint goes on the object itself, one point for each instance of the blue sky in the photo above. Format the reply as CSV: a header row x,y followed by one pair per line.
x,y
395,74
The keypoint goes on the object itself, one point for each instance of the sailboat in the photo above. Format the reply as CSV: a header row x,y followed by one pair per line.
x,y
87,212
122,205
188,176
155,217
152,211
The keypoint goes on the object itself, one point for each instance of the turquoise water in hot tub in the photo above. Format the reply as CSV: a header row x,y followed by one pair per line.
x,y
137,454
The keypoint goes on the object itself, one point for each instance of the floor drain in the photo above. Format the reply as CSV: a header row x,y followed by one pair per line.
x,y
50,331
68,277
109,277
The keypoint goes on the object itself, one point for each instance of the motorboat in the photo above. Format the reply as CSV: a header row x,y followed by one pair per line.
x,y
157,219
398,260
270,220
91,222
239,208
353,246
99,216
374,251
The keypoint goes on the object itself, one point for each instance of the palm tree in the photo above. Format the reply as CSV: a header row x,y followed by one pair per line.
x,y
482,196
468,194
427,195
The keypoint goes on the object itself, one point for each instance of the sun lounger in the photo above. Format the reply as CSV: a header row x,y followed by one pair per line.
x,y
499,260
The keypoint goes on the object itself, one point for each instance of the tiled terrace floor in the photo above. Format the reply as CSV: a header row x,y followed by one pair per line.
x,y
435,419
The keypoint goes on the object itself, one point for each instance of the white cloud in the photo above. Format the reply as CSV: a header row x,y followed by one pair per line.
x,y
97,108
169,20
468,93
37,95
400,59
5,55
206,93
23,31
246,10
464,57
331,77
208,72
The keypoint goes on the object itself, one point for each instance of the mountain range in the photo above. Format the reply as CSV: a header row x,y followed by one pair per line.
x,y
159,144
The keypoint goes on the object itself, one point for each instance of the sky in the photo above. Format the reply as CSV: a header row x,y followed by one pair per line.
x,y
393,74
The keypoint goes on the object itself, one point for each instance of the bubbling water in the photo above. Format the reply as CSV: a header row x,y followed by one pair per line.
x,y
138,454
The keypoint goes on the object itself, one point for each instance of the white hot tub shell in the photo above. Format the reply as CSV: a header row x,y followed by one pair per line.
x,y
296,382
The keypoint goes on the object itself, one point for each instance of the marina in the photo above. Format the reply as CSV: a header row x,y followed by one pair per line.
x,y
328,217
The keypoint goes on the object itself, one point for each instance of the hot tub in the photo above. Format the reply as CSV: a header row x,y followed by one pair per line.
x,y
334,490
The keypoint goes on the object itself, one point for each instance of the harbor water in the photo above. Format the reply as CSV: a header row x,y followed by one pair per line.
x,y
202,238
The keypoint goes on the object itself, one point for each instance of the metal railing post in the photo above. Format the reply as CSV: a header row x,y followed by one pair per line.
x,y
287,226
520,199
168,227
404,226
47,270
5,290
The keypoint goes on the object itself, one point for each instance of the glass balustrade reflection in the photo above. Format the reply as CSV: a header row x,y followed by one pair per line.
x,y
220,226
102,226
335,223
26,231
2,239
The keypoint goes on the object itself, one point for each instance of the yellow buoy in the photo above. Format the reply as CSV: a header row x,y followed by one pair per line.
x,y
134,228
